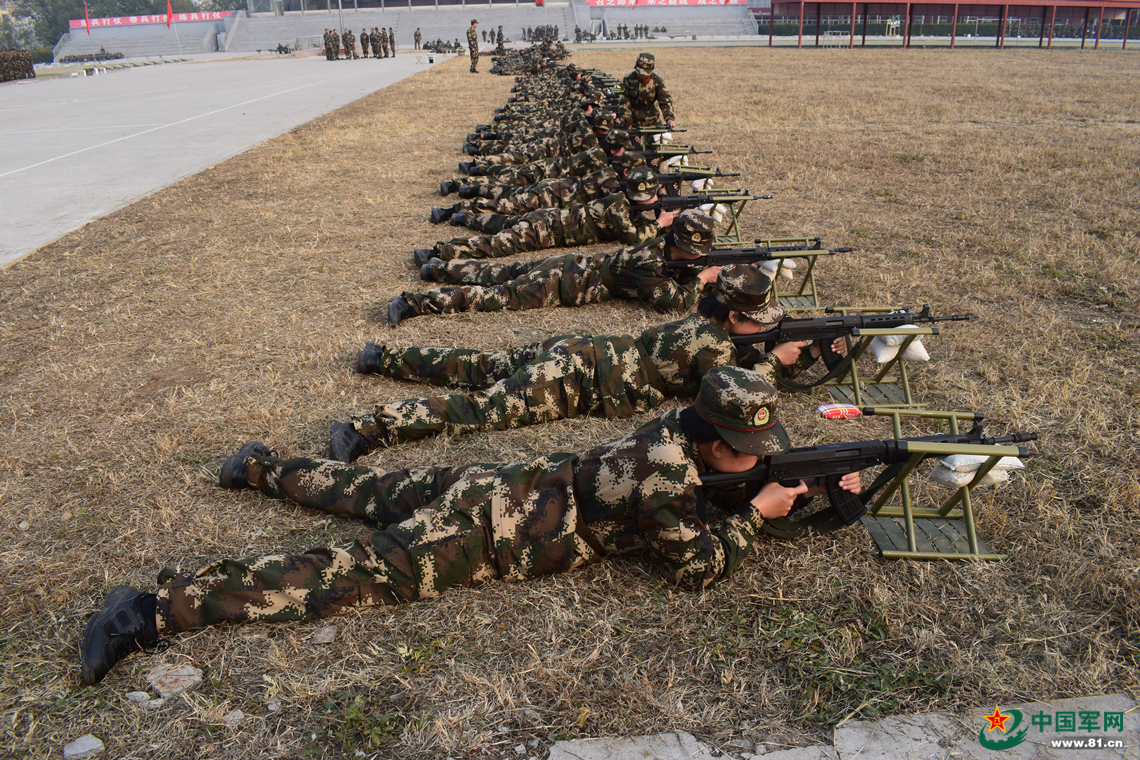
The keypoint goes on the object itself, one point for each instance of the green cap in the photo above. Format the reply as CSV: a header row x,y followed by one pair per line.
x,y
693,231
642,187
604,120
742,406
645,62
747,289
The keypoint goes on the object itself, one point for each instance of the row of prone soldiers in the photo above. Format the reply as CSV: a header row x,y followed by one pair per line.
x,y
462,525
439,46
16,64
383,43
531,60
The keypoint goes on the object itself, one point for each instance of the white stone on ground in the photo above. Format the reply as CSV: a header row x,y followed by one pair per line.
x,y
169,680
84,747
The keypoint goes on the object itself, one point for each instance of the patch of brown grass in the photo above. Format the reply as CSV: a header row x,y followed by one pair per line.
x,y
143,348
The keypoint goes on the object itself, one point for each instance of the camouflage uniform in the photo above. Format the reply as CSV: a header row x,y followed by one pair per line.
x,y
636,272
349,45
417,38
391,41
376,42
473,46
557,192
364,40
642,99
462,526
499,42
573,139
609,218
509,179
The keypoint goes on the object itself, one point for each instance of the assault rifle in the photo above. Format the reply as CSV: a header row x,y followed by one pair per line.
x,y
666,151
681,202
724,256
686,172
831,462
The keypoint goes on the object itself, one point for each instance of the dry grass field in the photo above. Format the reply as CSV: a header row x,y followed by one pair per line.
x,y
141,350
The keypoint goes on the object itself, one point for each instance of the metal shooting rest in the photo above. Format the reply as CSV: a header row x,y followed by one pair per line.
x,y
906,531
801,297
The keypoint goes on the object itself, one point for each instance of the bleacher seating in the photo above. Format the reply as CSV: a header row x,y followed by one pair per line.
x,y
145,40
265,32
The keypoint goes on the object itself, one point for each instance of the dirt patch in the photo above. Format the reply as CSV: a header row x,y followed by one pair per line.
x,y
142,349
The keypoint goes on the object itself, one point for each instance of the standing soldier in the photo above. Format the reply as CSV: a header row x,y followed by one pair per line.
x,y
384,42
364,43
375,42
577,34
643,92
473,45
417,37
499,41
392,42
349,42
328,46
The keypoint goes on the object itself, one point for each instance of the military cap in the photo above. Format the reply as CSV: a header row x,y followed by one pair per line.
x,y
642,186
620,138
604,120
742,406
645,62
693,231
747,289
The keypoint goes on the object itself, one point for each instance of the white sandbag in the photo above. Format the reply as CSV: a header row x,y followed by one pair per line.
x,y
770,266
705,183
944,476
881,351
897,340
916,352
674,161
971,463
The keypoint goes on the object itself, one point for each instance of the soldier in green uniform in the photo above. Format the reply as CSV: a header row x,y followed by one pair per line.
x,y
364,43
473,45
391,41
637,272
643,92
466,525
499,41
616,217
349,41
417,37
568,376
376,46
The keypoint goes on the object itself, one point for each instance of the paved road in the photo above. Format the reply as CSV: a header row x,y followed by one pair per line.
x,y
73,150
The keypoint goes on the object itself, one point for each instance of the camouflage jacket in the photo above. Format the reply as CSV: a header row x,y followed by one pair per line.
x,y
555,192
473,40
642,493
608,218
641,100
682,352
639,273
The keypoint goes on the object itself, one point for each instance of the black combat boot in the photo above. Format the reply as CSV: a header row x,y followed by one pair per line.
x,y
421,256
433,271
470,149
467,167
482,127
448,187
232,474
458,219
345,444
467,192
368,360
441,215
398,310
126,622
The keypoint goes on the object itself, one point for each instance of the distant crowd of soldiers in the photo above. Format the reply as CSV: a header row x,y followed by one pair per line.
x,y
16,64
640,32
540,33
530,60
381,41
439,46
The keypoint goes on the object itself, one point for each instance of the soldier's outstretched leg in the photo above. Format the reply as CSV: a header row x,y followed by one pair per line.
x,y
558,383
486,273
533,232
454,367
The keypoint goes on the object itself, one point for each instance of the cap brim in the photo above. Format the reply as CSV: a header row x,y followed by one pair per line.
x,y
765,443
697,249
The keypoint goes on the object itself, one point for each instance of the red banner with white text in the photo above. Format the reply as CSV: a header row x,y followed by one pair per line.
x,y
157,18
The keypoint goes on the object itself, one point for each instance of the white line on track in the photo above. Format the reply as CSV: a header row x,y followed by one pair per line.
x,y
155,129
81,129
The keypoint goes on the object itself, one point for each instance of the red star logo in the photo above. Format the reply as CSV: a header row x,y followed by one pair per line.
x,y
997,720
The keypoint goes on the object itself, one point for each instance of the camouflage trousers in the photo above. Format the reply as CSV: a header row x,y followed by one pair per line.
x,y
566,280
439,528
474,58
523,153
544,228
556,192
563,377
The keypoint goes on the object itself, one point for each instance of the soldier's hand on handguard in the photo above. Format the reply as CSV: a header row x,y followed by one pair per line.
x,y
665,218
708,275
775,501
789,353
838,346
672,123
